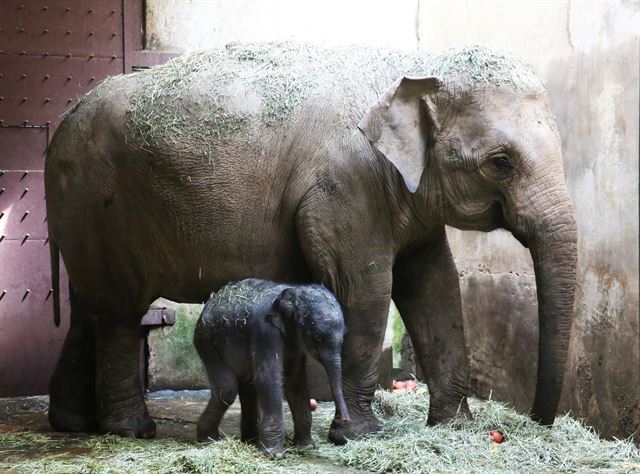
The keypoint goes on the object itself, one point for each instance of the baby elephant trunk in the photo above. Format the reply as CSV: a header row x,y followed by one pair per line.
x,y
333,366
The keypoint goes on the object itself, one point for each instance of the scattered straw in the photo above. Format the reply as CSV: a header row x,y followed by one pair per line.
x,y
193,102
405,444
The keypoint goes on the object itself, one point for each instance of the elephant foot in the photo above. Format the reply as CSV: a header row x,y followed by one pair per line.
x,y
143,427
439,414
65,419
340,431
304,442
207,436
275,451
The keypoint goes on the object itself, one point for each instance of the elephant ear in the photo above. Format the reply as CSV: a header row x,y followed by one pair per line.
x,y
400,124
282,309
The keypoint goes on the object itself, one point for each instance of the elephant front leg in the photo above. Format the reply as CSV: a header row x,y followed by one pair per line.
x,y
366,313
426,290
120,400
298,397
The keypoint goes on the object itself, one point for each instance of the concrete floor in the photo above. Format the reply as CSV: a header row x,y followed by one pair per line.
x,y
175,412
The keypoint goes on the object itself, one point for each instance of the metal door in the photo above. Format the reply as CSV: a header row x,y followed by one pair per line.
x,y
51,53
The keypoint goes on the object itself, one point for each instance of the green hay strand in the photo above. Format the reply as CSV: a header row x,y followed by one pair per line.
x,y
195,101
406,444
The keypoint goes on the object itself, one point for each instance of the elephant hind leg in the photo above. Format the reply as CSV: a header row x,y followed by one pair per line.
x,y
72,399
119,395
249,413
224,389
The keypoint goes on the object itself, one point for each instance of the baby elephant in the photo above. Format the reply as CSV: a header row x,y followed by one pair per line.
x,y
252,337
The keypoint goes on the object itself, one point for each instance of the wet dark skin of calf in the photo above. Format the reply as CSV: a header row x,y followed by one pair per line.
x,y
256,346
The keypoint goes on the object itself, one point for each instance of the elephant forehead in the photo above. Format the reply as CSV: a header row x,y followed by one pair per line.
x,y
499,115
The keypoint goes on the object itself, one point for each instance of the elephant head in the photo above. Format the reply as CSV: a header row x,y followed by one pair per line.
x,y
484,154
313,318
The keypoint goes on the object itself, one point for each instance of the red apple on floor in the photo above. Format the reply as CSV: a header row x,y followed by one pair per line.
x,y
496,436
313,403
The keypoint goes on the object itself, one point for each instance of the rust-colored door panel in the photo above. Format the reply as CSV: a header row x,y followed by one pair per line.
x,y
51,54
38,90
62,27
29,341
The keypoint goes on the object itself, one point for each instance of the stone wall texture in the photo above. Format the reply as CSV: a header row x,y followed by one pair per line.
x,y
587,52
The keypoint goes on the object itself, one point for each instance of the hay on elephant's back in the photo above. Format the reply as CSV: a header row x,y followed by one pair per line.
x,y
207,96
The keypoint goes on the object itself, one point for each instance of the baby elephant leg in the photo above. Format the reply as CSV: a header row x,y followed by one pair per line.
x,y
298,398
249,414
224,388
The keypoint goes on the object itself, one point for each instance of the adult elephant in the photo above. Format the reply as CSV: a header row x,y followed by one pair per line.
x,y
298,163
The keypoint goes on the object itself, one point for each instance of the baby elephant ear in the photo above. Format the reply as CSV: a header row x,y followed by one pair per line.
x,y
400,125
277,321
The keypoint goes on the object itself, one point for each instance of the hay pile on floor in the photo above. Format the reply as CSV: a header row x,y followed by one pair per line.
x,y
406,444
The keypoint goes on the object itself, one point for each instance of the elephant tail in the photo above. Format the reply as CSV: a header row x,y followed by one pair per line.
x,y
54,255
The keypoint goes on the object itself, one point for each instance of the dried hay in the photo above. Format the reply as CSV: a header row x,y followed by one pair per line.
x,y
196,100
406,444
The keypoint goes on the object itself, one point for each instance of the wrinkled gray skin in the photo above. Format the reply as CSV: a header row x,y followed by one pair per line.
x,y
353,190
253,337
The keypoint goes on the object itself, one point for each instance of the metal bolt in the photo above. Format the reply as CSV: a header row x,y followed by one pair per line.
x,y
2,190
46,53
67,9
21,7
24,175
68,55
69,101
90,10
26,122
113,57
26,293
1,215
91,56
21,30
2,237
26,237
49,293
47,76
26,190
4,292
22,53
67,33
113,12
1,97
114,34
69,78
24,216
44,32
47,100
24,99
92,79
91,33
47,123
24,76
45,8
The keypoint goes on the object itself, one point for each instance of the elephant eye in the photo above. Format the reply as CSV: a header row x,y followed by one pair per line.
x,y
317,338
502,163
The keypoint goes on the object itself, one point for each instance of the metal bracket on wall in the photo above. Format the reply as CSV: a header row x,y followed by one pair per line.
x,y
157,317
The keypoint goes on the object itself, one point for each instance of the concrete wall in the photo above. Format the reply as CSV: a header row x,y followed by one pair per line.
x,y
588,54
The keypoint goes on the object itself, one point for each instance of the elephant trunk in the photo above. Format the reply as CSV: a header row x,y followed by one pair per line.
x,y
333,366
552,243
